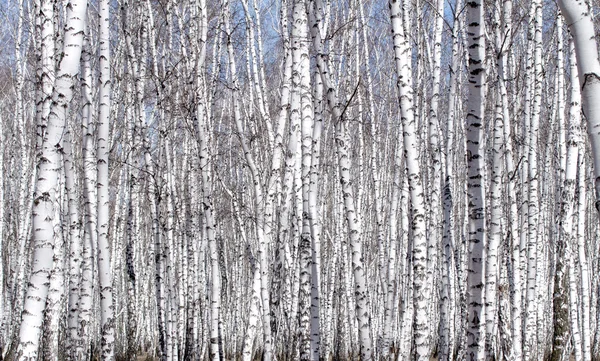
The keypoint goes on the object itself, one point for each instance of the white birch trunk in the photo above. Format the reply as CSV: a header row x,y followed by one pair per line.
x,y
560,348
56,291
27,178
531,331
475,180
47,187
75,244
414,175
579,20
390,306
86,291
354,226
495,235
448,311
584,286
300,89
107,322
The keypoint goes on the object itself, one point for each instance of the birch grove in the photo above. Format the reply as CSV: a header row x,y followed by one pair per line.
x,y
299,180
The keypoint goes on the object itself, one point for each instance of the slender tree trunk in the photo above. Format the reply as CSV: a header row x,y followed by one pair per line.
x,y
104,263
354,226
495,235
579,246
75,244
303,110
56,291
47,188
89,195
475,179
414,175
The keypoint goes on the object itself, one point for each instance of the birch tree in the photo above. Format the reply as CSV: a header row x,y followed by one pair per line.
x,y
417,222
475,176
104,261
579,22
193,170
47,184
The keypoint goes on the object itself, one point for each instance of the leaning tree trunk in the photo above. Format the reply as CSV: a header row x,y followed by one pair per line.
x,y
579,20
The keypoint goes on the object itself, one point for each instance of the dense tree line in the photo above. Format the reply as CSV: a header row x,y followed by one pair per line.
x,y
299,179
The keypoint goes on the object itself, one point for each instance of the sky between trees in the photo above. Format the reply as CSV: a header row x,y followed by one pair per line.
x,y
299,180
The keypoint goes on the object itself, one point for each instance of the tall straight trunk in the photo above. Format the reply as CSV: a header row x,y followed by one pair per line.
x,y
393,286
580,255
275,180
286,225
344,165
52,312
448,302
47,184
89,195
315,227
377,148
568,172
131,231
411,156
512,214
74,253
56,291
313,203
27,177
202,115
475,179
302,110
533,191
495,235
435,165
107,326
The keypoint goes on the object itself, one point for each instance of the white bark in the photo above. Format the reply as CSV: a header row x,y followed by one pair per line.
x,y
104,262
45,196
89,189
414,175
495,235
584,277
475,179
302,110
74,253
531,341
354,226
579,20
56,290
